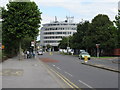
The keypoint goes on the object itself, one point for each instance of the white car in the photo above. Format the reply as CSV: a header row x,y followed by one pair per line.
x,y
83,54
40,52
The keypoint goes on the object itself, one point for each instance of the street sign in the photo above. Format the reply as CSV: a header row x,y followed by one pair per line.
x,y
32,43
97,45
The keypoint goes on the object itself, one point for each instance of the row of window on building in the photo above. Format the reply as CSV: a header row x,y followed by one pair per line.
x,y
46,33
53,37
59,24
50,41
47,29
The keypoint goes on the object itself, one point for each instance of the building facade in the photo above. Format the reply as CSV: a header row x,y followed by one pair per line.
x,y
119,5
53,32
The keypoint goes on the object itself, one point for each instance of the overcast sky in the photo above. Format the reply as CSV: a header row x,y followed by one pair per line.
x,y
80,9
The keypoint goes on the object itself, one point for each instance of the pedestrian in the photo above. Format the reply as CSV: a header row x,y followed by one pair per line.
x,y
28,54
25,54
33,54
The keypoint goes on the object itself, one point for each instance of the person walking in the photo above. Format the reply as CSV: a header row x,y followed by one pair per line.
x,y
28,54
33,54
25,54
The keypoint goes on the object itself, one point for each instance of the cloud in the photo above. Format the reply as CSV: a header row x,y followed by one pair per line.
x,y
3,3
85,9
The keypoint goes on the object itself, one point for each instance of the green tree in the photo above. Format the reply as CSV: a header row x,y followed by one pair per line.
x,y
63,43
26,42
21,19
103,32
48,46
77,41
117,22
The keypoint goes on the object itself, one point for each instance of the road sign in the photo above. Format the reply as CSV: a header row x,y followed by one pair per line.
x,y
97,45
32,43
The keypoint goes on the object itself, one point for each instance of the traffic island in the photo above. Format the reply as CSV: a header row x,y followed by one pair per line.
x,y
117,62
101,66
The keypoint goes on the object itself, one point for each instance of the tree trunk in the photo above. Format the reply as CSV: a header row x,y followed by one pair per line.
x,y
20,56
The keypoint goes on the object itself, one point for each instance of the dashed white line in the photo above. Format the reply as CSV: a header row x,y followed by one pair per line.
x,y
85,84
58,68
69,74
53,65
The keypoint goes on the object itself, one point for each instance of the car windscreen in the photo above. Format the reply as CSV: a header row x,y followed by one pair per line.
x,y
85,53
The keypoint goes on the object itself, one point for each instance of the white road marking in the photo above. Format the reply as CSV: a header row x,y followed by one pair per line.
x,y
58,68
85,84
69,74
53,65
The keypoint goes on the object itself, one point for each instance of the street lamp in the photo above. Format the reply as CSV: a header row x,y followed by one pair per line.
x,y
98,52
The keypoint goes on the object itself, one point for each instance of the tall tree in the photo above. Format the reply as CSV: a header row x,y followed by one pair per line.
x,y
63,43
78,38
21,19
102,32
118,28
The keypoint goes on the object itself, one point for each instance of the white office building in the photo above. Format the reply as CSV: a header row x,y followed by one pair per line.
x,y
52,33
118,8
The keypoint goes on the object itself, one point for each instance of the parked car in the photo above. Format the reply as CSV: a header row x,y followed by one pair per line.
x,y
40,52
82,50
83,54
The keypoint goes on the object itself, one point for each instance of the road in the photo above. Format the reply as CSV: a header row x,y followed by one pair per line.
x,y
81,75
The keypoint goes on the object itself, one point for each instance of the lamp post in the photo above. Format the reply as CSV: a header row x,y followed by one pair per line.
x,y
98,52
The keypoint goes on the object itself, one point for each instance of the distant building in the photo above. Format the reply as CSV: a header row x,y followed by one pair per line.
x,y
119,5
53,32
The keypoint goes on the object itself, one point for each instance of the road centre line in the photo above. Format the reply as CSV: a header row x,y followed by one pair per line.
x,y
67,81
62,78
68,73
85,84
72,85
53,65
58,68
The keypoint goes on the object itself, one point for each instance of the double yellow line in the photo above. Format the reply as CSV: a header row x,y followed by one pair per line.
x,y
67,81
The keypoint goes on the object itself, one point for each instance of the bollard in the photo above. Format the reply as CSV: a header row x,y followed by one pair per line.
x,y
85,59
51,53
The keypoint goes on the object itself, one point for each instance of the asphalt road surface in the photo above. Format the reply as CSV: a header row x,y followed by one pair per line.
x,y
81,75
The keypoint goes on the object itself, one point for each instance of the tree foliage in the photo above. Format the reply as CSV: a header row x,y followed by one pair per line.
x,y
117,22
100,31
78,38
63,43
20,20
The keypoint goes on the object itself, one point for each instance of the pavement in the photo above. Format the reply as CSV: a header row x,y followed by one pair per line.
x,y
27,73
111,64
